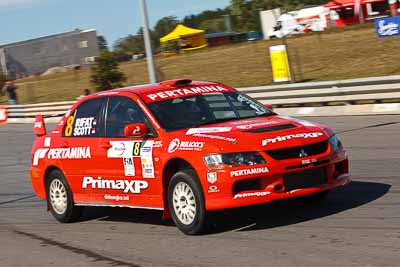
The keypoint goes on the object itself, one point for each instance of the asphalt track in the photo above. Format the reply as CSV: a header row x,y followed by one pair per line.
x,y
355,226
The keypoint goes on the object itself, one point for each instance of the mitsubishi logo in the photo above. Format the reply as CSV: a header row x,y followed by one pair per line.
x,y
302,154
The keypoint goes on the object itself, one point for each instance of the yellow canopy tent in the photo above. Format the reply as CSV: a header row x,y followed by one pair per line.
x,y
184,37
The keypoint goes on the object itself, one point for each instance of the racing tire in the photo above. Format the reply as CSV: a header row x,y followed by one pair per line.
x,y
314,198
186,202
59,198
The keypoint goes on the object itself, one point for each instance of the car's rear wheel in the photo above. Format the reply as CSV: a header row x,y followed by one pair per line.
x,y
314,198
186,202
59,198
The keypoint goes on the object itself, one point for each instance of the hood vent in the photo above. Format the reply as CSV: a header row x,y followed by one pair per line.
x,y
272,128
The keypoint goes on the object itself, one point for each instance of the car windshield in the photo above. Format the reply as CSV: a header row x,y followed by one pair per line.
x,y
188,112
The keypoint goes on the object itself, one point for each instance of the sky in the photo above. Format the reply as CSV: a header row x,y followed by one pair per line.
x,y
26,19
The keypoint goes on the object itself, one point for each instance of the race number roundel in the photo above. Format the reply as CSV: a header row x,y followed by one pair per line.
x,y
3,114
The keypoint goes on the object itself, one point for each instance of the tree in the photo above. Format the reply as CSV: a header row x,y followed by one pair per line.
x,y
245,13
106,73
165,26
102,42
213,25
196,21
131,45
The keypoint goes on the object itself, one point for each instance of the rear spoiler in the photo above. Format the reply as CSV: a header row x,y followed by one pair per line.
x,y
39,126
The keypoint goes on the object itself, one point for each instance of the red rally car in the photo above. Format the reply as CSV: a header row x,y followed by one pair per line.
x,y
183,147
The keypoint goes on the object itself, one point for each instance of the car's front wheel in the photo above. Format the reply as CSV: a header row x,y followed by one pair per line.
x,y
59,198
186,202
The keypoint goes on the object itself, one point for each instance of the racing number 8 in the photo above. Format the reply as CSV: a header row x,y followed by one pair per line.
x,y
68,129
136,149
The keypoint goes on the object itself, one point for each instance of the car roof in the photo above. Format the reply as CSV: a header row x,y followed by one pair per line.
x,y
142,90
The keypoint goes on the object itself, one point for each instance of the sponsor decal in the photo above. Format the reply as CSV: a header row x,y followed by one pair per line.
x,y
116,197
183,92
119,149
47,141
80,127
129,166
308,161
291,136
69,153
39,154
61,153
249,171
213,189
67,113
85,126
177,144
127,186
157,144
388,26
254,125
37,124
212,177
174,145
216,137
258,108
123,149
208,130
129,149
146,158
251,194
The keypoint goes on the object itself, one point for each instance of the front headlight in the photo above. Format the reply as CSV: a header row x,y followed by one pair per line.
x,y
335,143
231,160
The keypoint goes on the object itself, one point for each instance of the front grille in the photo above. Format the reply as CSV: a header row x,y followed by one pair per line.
x,y
298,151
304,179
272,128
246,185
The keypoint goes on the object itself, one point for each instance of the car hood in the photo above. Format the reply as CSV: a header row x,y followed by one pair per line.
x,y
262,133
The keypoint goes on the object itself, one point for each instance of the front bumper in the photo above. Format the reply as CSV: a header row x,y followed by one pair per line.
x,y
224,192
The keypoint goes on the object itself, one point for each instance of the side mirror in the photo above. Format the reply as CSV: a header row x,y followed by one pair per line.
x,y
268,106
39,127
136,130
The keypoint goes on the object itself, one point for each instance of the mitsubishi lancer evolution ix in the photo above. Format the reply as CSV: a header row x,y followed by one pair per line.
x,y
183,147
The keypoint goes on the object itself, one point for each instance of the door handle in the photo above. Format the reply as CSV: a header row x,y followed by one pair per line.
x,y
106,145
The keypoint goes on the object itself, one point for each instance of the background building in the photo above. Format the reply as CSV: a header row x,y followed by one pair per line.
x,y
35,56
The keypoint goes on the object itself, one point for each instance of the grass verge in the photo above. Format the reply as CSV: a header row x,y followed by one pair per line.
x,y
352,52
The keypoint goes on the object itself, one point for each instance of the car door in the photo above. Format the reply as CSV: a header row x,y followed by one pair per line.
x,y
129,162
78,149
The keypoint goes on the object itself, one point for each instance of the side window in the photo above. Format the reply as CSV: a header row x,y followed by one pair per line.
x,y
85,121
120,112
